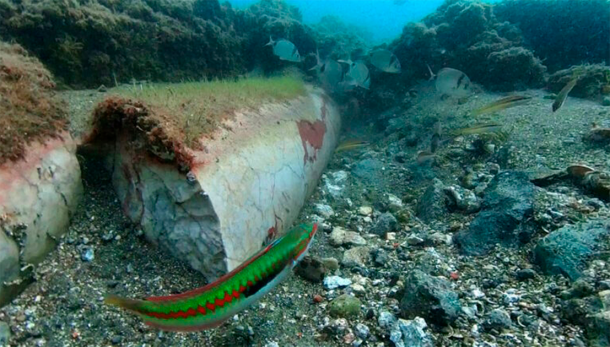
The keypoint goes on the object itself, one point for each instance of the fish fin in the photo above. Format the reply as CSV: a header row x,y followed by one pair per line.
x,y
432,75
132,305
271,42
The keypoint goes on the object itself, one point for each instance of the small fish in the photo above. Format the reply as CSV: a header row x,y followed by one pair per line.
x,y
425,157
285,50
453,82
504,103
358,74
385,61
329,72
350,144
478,129
563,94
209,306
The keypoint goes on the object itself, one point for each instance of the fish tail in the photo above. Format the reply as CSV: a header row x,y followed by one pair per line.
x,y
133,305
271,42
432,75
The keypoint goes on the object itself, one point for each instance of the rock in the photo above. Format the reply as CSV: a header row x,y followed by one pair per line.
x,y
365,210
386,320
5,334
324,210
432,204
606,101
599,329
311,269
87,255
357,256
368,171
497,319
333,282
380,257
344,306
38,195
462,199
525,274
362,331
507,207
411,333
331,264
568,250
394,203
384,224
429,297
342,237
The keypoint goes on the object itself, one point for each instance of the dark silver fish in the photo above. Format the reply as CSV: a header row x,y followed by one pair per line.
x,y
385,61
453,82
358,74
285,50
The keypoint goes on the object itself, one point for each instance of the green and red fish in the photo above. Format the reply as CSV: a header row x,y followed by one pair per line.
x,y
209,306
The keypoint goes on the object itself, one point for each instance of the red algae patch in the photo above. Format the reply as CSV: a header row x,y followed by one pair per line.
x,y
29,109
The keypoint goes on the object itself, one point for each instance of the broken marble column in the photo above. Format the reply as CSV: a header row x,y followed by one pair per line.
x,y
38,195
246,186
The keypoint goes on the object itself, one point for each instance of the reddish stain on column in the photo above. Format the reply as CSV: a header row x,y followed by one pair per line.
x,y
312,133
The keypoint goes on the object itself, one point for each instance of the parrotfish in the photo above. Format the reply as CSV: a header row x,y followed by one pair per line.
x,y
209,306
502,104
285,50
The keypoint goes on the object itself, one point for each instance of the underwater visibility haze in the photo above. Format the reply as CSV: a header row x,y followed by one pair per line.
x,y
165,166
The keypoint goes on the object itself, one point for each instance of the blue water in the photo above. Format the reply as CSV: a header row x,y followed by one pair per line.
x,y
382,18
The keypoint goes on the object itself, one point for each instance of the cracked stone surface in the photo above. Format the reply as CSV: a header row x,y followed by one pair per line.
x,y
246,186
37,197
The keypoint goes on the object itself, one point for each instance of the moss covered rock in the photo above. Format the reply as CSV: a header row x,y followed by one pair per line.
x,y
345,306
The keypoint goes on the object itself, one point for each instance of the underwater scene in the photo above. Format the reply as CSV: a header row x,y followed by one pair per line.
x,y
296,173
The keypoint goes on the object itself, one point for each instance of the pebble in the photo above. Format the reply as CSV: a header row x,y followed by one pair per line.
x,y
365,210
333,282
324,210
606,101
272,344
386,320
411,333
87,254
330,263
498,319
345,306
357,256
342,237
385,223
362,331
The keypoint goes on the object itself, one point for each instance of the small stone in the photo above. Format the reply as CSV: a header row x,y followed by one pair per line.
x,y
525,274
116,340
272,344
386,320
318,298
411,333
331,263
357,256
394,203
606,101
497,319
333,282
87,254
604,285
381,257
362,331
324,210
390,236
5,334
385,223
342,237
358,288
365,210
311,269
414,240
345,306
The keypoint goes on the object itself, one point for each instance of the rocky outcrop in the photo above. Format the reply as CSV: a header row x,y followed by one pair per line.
x,y
215,206
37,197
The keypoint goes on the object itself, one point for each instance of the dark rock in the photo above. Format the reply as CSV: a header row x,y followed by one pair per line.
x,y
599,330
380,257
311,269
508,205
429,297
497,319
368,171
525,274
568,250
432,204
385,223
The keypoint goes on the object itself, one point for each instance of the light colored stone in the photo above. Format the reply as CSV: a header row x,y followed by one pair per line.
x,y
247,186
342,237
38,195
357,256
365,210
